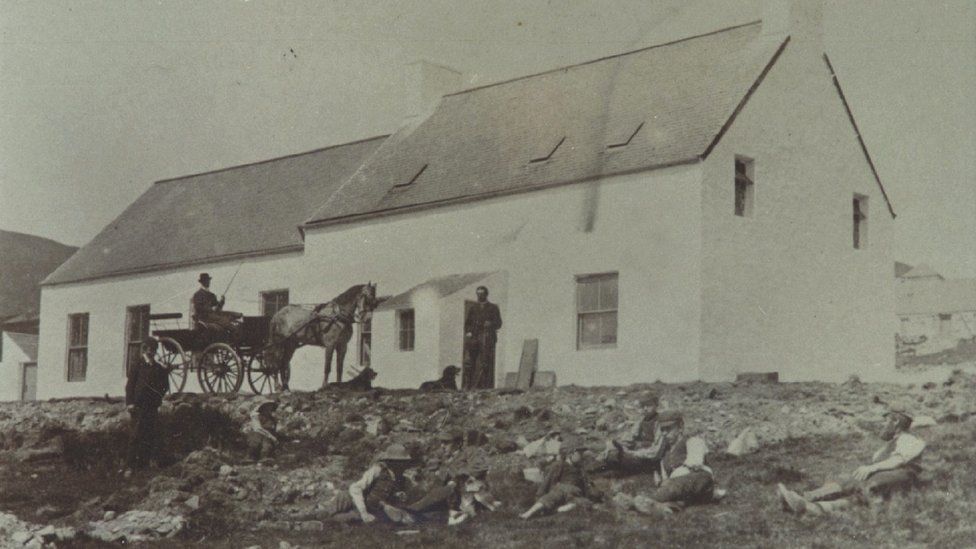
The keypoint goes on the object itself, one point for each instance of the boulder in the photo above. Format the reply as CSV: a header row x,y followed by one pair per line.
x,y
745,443
532,474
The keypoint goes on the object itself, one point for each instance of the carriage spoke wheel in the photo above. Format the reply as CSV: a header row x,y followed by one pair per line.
x,y
220,369
172,357
262,376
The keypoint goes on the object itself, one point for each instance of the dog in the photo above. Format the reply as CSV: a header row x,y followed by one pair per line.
x,y
362,382
447,382
472,494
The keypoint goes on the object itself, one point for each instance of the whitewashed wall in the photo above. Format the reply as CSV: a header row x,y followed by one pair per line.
x,y
647,229
784,290
11,369
438,337
168,291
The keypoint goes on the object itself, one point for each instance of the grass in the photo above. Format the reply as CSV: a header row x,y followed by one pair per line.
x,y
939,515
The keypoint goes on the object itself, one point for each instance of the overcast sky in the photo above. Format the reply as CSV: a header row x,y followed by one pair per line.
x,y
98,99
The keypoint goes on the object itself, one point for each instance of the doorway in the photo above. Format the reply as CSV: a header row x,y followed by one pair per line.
x,y
28,388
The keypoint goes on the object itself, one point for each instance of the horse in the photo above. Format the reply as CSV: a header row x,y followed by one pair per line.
x,y
327,325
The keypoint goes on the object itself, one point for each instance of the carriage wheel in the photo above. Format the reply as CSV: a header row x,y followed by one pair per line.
x,y
220,369
262,376
171,355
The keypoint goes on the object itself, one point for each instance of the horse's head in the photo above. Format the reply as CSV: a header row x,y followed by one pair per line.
x,y
366,301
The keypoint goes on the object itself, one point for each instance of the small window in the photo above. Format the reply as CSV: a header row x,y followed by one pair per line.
x,y
552,151
273,301
77,346
860,211
743,186
945,323
623,142
136,331
596,311
405,329
413,179
365,341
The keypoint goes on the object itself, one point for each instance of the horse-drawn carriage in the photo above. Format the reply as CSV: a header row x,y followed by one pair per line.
x,y
221,358
259,348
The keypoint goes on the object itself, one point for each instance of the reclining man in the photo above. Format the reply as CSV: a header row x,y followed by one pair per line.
x,y
260,432
565,481
644,450
381,492
894,466
685,477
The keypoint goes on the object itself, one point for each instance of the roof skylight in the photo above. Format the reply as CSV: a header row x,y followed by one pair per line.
x,y
412,179
548,156
616,144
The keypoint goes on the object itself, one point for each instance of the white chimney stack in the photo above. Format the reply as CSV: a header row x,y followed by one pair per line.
x,y
426,83
801,20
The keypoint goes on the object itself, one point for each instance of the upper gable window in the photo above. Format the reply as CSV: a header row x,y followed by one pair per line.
x,y
744,186
860,219
624,140
549,154
412,180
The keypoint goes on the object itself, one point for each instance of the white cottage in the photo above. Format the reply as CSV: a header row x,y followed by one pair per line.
x,y
692,210
245,219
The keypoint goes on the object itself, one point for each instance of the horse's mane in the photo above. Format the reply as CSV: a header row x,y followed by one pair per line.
x,y
349,294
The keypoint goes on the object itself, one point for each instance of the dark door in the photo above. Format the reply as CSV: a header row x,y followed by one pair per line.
x,y
136,331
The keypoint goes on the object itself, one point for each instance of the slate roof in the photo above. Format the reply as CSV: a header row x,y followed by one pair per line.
x,y
481,142
922,271
441,287
946,296
25,260
234,212
26,342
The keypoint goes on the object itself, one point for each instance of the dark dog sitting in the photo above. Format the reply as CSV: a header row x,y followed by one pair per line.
x,y
447,382
362,382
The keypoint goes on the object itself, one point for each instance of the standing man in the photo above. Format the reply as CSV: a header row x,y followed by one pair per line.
x,y
144,391
480,335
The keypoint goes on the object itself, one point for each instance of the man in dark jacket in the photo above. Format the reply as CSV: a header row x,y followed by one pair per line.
x,y
208,310
147,384
480,335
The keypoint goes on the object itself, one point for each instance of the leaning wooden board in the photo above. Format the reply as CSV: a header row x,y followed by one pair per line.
x,y
528,363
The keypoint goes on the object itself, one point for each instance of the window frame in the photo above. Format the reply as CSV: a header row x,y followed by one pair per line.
x,y
71,346
263,295
400,330
578,281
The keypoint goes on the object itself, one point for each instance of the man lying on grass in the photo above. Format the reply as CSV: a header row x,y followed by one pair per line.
x,y
564,482
895,466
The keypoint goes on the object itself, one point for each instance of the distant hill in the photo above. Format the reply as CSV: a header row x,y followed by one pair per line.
x,y
24,262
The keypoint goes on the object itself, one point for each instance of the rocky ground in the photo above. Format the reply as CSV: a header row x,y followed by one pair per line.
x,y
59,465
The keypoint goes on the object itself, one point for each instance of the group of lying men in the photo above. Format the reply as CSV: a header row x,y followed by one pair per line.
x,y
658,447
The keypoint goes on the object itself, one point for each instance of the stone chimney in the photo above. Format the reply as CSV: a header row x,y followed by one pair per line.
x,y
426,83
801,20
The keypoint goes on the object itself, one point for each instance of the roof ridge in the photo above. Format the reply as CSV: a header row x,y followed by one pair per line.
x,y
267,160
605,58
